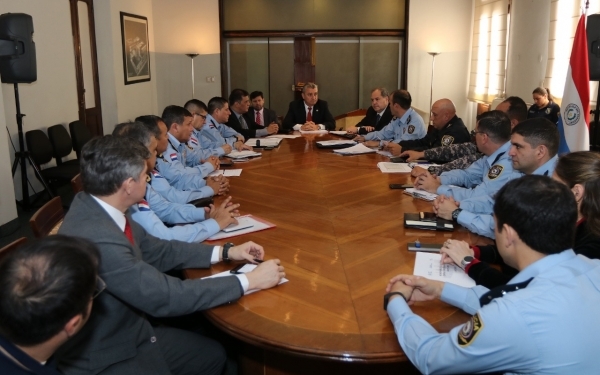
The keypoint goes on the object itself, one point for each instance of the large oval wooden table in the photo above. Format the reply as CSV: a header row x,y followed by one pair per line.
x,y
340,237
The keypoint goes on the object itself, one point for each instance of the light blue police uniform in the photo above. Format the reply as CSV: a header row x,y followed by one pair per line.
x,y
484,177
409,126
549,327
162,186
171,167
198,153
188,156
196,232
476,214
170,212
214,135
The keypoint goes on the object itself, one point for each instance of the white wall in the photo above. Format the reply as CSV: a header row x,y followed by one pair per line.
x,y
441,26
8,208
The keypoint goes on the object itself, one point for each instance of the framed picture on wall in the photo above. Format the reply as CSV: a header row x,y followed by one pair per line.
x,y
136,53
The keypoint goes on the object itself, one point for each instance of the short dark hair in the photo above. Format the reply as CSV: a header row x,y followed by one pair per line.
x,y
237,95
174,114
106,162
542,211
539,131
495,124
216,103
256,94
402,98
136,131
195,103
150,122
43,285
517,108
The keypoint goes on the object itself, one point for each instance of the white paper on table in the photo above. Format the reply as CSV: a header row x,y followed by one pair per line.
x,y
284,136
247,268
244,222
355,150
385,153
422,194
313,131
336,142
264,141
243,154
428,265
338,132
387,167
247,219
422,165
226,172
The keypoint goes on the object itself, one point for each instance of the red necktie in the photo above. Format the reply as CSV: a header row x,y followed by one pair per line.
x,y
309,115
128,232
258,121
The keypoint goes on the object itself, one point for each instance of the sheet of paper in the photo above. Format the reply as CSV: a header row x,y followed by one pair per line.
x,y
247,268
226,172
243,223
355,150
284,136
256,226
264,141
243,154
338,132
336,142
422,194
385,153
313,131
428,265
422,165
387,167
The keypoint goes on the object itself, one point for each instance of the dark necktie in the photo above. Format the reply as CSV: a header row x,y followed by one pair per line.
x,y
377,120
501,290
243,123
309,115
128,232
258,120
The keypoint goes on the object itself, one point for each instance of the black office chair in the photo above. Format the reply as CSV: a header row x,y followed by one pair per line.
x,y
41,152
62,145
80,135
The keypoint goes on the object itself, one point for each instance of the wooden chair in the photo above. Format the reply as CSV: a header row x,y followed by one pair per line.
x,y
48,218
12,246
76,184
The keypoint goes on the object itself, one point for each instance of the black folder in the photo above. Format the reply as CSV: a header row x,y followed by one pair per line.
x,y
416,220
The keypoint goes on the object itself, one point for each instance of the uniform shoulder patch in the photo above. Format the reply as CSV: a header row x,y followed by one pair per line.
x,y
156,174
143,205
469,331
447,140
174,156
194,141
495,171
411,128
548,110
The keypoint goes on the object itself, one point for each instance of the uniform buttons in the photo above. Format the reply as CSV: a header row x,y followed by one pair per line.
x,y
153,339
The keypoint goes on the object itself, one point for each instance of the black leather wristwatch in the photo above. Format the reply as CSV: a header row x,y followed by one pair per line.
x,y
455,214
386,298
226,248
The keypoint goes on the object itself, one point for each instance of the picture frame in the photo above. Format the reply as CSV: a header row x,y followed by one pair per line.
x,y
136,48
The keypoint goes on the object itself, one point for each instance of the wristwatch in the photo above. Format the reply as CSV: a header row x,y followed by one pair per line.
x,y
455,214
226,248
466,261
386,298
432,170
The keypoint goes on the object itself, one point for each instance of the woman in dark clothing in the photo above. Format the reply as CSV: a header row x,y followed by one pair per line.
x,y
543,105
580,171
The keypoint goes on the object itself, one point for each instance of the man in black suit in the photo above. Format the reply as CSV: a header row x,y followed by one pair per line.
x,y
310,113
378,115
240,119
261,115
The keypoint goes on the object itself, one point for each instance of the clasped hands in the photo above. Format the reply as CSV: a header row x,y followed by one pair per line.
x,y
309,125
268,273
415,288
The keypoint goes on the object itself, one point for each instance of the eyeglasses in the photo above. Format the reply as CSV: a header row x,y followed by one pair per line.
x,y
473,132
100,286
198,114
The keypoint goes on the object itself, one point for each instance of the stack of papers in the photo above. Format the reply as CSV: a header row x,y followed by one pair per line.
x,y
421,194
246,224
355,150
264,141
336,142
339,132
226,173
394,167
313,131
385,153
243,154
429,265
245,269
283,136
413,164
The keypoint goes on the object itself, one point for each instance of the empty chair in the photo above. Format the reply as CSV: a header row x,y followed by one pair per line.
x,y
76,184
48,218
41,152
80,134
62,145
12,246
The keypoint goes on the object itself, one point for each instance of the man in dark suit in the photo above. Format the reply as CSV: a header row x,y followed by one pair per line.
x,y
241,120
310,113
119,339
378,115
262,116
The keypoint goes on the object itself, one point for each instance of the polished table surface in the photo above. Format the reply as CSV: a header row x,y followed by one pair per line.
x,y
340,236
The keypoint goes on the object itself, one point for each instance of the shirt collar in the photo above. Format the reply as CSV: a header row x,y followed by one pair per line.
x,y
406,115
503,149
306,106
210,119
381,113
548,168
547,262
174,141
117,216
237,115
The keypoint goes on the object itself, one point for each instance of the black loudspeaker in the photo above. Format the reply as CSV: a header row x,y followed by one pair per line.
x,y
593,40
17,49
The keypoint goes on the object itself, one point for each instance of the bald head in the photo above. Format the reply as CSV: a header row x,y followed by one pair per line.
x,y
442,112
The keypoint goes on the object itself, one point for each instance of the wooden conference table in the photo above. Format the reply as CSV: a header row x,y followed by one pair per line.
x,y
340,237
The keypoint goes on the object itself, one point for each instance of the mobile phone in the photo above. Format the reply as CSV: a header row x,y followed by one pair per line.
x,y
401,186
399,159
236,270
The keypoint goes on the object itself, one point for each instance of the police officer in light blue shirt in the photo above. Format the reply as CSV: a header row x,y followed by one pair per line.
x,y
544,321
407,124
162,186
217,136
199,111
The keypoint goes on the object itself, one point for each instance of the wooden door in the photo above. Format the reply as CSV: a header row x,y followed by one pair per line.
x,y
304,63
86,65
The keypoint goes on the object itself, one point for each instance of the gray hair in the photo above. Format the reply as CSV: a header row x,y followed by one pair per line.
x,y
136,131
309,85
106,162
382,90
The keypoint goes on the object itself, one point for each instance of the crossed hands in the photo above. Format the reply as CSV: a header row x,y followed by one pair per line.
x,y
415,288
